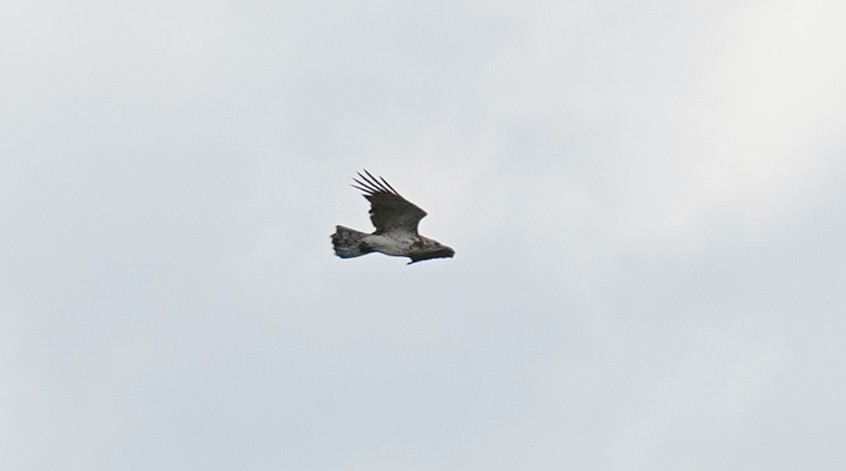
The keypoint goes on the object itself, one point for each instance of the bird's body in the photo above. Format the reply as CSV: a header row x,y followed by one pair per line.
x,y
395,219
398,245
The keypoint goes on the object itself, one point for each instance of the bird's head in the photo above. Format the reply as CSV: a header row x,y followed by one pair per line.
x,y
431,249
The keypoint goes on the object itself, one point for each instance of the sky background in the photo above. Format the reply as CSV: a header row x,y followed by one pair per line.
x,y
646,199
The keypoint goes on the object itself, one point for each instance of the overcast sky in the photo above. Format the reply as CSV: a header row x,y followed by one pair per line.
x,y
646,199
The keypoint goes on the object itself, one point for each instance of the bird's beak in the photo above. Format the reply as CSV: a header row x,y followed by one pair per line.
x,y
444,252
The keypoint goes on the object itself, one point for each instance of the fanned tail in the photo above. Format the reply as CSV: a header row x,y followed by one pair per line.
x,y
347,242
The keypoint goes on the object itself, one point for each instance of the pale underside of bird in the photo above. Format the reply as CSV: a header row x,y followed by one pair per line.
x,y
395,219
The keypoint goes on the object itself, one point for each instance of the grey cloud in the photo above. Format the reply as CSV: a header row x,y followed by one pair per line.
x,y
644,201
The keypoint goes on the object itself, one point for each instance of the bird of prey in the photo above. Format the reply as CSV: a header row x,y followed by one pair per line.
x,y
395,219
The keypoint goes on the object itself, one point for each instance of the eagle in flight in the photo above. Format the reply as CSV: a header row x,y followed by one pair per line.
x,y
395,219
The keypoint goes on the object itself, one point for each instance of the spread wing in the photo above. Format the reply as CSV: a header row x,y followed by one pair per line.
x,y
388,210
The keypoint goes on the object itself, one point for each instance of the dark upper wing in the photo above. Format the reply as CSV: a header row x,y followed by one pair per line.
x,y
388,210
